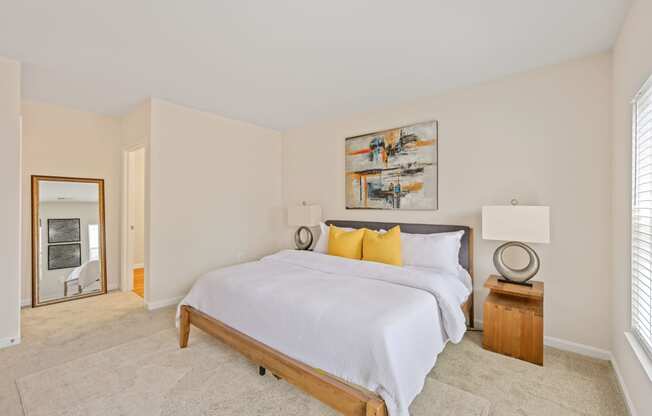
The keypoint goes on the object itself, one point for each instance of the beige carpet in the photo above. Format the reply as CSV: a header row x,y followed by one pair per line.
x,y
108,356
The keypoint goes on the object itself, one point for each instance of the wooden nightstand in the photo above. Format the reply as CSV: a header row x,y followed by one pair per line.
x,y
513,320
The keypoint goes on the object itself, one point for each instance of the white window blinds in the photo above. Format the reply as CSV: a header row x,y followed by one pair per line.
x,y
642,217
93,242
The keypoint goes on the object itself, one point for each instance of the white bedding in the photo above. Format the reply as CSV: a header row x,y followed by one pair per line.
x,y
371,324
462,275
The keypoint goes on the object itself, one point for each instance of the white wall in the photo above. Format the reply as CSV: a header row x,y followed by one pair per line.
x,y
632,65
10,210
137,206
139,197
542,137
136,126
135,134
59,141
215,196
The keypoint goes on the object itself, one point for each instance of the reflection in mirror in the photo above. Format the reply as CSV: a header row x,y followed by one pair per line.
x,y
68,258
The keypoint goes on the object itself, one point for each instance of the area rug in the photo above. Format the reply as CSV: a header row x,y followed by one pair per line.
x,y
124,360
152,376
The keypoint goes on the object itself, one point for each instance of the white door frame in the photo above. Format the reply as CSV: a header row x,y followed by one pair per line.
x,y
127,281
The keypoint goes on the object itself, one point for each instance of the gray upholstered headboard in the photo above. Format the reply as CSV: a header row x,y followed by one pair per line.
x,y
466,249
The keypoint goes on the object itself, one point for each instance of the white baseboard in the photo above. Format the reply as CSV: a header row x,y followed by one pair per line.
x,y
577,348
163,303
571,346
9,342
628,400
138,266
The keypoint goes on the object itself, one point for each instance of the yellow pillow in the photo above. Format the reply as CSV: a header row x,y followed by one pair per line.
x,y
345,243
383,248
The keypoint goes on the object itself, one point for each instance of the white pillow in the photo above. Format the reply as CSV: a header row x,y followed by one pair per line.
x,y
440,251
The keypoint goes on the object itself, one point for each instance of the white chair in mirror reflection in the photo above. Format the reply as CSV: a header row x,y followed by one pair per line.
x,y
83,279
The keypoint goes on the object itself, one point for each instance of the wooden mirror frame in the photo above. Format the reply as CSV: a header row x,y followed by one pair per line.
x,y
36,179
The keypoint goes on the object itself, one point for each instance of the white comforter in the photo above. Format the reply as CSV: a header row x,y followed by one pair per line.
x,y
371,324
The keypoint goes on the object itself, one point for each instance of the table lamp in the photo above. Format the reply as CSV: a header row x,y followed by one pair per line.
x,y
516,224
304,216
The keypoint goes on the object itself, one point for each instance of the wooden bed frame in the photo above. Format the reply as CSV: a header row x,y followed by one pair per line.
x,y
343,397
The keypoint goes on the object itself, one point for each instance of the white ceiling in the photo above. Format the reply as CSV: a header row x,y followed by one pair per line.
x,y
51,191
284,63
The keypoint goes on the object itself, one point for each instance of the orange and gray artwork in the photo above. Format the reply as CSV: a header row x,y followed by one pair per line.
x,y
393,169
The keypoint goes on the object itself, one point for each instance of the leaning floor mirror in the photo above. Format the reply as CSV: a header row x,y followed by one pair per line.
x,y
68,239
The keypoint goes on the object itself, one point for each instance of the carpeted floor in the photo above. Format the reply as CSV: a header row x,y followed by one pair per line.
x,y
108,356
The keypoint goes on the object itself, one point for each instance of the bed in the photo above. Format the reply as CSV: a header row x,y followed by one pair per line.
x,y
359,336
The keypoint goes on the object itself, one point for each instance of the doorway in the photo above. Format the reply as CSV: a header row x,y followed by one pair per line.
x,y
134,273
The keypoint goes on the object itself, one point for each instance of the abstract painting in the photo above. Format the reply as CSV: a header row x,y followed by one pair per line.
x,y
65,230
393,169
64,256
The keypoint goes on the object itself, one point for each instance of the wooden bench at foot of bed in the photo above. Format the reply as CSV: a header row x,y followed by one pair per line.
x,y
340,396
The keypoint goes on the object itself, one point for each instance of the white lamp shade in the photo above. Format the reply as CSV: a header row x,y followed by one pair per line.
x,y
304,215
527,224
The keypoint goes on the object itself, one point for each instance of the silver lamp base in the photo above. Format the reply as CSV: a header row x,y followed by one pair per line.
x,y
303,238
517,276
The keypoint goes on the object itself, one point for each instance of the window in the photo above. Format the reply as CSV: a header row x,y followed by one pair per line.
x,y
93,242
641,279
